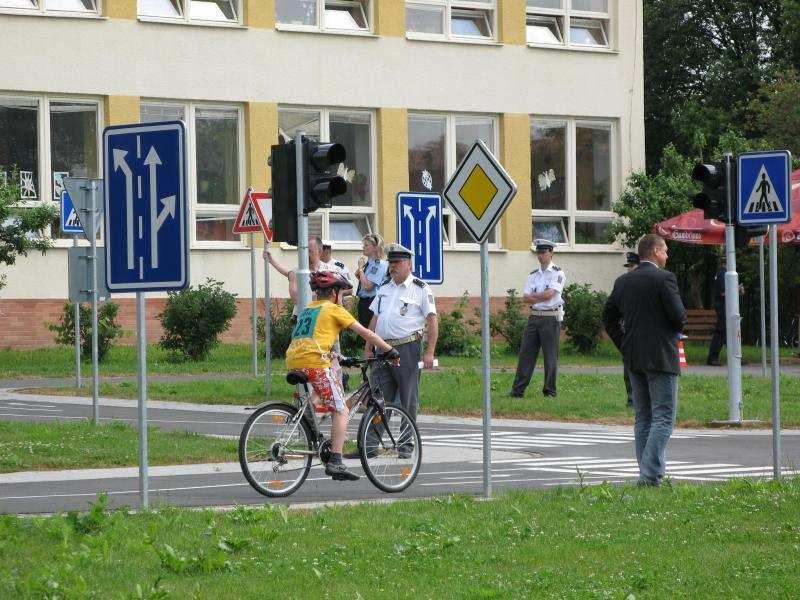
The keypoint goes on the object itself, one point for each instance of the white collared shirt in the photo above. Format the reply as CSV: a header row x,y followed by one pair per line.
x,y
401,309
551,278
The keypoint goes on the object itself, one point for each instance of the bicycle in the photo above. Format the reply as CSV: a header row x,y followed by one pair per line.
x,y
279,441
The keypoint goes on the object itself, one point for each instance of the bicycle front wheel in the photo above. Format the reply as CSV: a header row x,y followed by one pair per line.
x,y
275,450
390,448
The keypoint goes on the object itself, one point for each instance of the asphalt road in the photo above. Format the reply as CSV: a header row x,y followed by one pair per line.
x,y
525,454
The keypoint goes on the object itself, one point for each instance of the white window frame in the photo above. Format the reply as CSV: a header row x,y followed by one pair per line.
x,y
371,212
186,18
44,191
450,241
487,7
216,210
571,213
564,16
42,10
367,8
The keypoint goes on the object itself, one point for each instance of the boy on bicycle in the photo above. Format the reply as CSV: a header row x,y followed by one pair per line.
x,y
310,353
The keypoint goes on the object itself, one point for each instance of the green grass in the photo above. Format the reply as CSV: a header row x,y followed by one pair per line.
x,y
589,398
44,446
734,540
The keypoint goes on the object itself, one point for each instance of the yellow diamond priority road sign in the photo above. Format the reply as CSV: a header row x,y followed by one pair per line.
x,y
479,191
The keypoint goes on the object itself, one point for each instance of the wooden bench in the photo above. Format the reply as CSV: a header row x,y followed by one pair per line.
x,y
700,324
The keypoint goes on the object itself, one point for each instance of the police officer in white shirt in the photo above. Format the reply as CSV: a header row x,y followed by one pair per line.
x,y
543,292
402,309
327,257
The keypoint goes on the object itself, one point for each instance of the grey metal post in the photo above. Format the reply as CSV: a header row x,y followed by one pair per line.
x,y
253,297
732,325
95,370
302,273
267,326
776,360
486,351
144,499
77,319
763,306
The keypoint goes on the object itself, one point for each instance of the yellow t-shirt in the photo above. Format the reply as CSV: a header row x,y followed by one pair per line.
x,y
315,333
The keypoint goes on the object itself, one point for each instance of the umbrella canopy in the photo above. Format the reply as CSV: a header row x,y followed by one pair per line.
x,y
789,233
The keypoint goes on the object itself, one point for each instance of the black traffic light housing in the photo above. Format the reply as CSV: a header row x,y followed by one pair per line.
x,y
743,234
713,198
322,183
284,193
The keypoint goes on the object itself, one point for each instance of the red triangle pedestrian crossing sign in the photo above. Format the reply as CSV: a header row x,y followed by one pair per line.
x,y
248,220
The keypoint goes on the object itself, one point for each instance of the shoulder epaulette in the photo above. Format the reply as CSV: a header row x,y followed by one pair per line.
x,y
555,268
339,264
419,282
386,280
532,272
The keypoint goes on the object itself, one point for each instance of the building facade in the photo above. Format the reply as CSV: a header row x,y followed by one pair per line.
x,y
554,87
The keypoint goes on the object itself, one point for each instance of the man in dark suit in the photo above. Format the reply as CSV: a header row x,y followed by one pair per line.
x,y
718,338
647,300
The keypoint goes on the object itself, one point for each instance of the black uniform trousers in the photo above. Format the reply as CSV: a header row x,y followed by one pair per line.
x,y
718,339
544,333
364,313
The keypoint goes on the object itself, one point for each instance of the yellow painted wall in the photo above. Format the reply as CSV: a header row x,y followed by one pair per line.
x,y
261,132
511,21
121,110
390,18
259,13
516,158
119,9
392,166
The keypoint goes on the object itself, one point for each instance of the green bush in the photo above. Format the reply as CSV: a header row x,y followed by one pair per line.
x,y
510,322
281,325
108,329
193,319
457,336
584,316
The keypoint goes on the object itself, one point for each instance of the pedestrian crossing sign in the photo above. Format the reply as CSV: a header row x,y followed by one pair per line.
x,y
764,187
247,221
70,223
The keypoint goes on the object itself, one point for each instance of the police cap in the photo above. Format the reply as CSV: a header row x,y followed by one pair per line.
x,y
397,252
327,244
631,259
542,244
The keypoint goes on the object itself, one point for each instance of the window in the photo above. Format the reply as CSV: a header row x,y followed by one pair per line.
x,y
436,146
325,15
44,140
571,180
216,11
583,23
88,7
451,19
353,214
216,174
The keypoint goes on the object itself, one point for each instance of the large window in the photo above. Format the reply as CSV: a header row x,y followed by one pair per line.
x,y
216,175
436,146
44,140
571,23
325,15
216,11
572,180
73,7
352,215
451,19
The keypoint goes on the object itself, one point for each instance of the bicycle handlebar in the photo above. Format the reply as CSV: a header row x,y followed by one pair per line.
x,y
354,361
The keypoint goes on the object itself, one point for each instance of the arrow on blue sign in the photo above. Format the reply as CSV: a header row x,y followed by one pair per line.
x,y
70,223
419,228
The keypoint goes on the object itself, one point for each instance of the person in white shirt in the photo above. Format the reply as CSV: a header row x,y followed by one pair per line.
x,y
543,331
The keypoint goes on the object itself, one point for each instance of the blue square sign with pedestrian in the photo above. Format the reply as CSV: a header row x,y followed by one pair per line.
x,y
764,187
70,222
419,228
146,223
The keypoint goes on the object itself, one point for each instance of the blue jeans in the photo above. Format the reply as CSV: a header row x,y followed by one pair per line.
x,y
655,400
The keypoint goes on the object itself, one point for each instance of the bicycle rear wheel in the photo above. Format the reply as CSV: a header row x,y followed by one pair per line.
x,y
390,448
275,450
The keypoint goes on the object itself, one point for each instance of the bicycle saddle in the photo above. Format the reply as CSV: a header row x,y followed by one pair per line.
x,y
296,378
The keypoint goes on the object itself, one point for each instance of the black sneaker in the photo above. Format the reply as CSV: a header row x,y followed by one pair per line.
x,y
340,473
515,395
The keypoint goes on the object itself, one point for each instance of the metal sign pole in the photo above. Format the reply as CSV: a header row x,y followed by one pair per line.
x,y
253,312
267,326
486,351
144,499
77,319
302,274
776,360
732,325
95,370
763,306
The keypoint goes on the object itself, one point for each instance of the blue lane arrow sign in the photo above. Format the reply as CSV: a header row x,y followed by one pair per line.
x,y
419,228
146,210
70,223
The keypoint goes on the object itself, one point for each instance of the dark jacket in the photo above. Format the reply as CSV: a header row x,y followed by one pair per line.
x,y
719,291
648,301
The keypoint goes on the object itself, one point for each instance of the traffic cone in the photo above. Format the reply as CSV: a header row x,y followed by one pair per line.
x,y
682,354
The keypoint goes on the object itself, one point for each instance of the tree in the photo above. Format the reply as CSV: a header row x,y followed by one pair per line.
x,y
21,229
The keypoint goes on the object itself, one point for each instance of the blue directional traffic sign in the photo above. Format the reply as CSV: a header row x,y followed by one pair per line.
x,y
764,187
419,228
70,223
146,224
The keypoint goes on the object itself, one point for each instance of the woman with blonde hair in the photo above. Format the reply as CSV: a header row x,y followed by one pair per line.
x,y
371,272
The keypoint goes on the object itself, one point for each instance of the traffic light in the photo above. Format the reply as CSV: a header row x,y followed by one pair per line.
x,y
284,193
743,234
713,198
322,183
